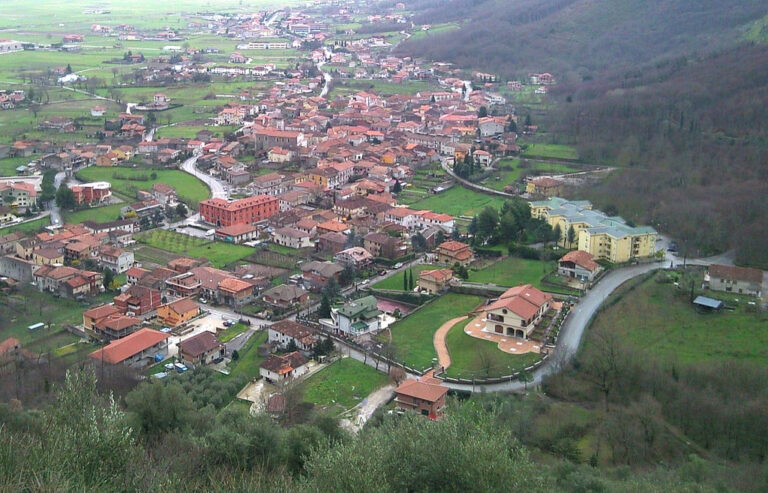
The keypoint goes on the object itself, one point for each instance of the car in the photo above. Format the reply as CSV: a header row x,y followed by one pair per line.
x,y
383,272
365,281
398,265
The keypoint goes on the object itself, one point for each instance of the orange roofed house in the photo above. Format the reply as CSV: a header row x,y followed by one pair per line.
x,y
434,281
517,311
579,265
249,210
452,252
178,312
201,349
136,350
425,396
282,369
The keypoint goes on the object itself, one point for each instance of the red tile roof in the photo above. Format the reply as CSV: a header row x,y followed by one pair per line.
x,y
421,390
122,349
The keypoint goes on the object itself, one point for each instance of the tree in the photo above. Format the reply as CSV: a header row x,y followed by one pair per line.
x,y
181,210
482,112
235,355
557,233
325,307
109,277
526,377
571,235
405,280
508,227
332,289
397,188
439,237
487,223
159,408
528,120
65,198
410,281
69,69
419,242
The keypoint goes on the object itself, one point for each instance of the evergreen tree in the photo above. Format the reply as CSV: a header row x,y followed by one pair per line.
x,y
410,281
571,236
109,276
325,307
405,280
397,188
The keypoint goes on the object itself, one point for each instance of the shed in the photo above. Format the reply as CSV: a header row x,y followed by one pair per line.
x,y
707,304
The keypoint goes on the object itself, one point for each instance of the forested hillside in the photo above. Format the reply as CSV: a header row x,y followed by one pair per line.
x,y
577,37
692,134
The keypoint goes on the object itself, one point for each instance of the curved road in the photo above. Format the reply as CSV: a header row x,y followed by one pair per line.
x,y
217,189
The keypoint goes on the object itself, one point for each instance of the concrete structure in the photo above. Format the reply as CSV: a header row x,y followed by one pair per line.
x,y
282,333
730,279
452,252
90,193
578,265
425,396
356,257
357,317
434,281
280,370
178,312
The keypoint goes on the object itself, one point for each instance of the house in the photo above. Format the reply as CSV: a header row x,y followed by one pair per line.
x,y
384,245
236,57
282,369
317,274
434,281
136,350
452,252
331,242
249,210
357,317
134,274
235,292
285,332
138,300
178,312
292,238
578,265
544,187
425,396
517,311
165,194
237,233
201,349
285,295
731,279
115,259
93,315
356,257
115,326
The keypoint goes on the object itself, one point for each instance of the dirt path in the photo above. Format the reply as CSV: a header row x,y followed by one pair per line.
x,y
443,357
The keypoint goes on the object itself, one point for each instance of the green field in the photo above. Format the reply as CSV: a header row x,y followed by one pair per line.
x,y
248,363
379,87
31,226
186,185
8,165
510,171
434,30
660,319
551,151
344,383
218,253
458,201
475,358
232,332
513,271
396,281
98,214
412,337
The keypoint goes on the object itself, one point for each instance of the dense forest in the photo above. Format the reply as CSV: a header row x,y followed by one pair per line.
x,y
691,134
158,438
576,38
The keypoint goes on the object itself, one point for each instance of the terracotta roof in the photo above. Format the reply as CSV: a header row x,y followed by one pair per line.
x,y
122,349
437,274
747,274
184,305
421,390
8,344
236,229
284,364
580,258
234,285
100,311
453,246
199,344
523,301
293,329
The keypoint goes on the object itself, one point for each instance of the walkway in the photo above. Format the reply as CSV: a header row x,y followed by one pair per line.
x,y
507,344
443,356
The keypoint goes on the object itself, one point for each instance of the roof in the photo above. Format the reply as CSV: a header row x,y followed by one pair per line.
x,y
747,274
421,390
199,344
325,269
293,329
236,230
284,364
284,292
453,246
234,285
122,349
183,305
708,302
524,301
136,272
437,274
365,307
8,344
580,258
239,204
100,311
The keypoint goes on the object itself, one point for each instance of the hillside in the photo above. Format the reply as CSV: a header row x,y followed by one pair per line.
x,y
575,38
691,138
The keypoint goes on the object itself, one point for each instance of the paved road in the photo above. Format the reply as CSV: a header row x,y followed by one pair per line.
x,y
55,210
441,348
217,189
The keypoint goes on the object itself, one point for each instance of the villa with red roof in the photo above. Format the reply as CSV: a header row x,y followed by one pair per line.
x,y
452,252
517,311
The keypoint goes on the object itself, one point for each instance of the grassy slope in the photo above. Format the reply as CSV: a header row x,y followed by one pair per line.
x,y
248,363
345,382
654,317
412,336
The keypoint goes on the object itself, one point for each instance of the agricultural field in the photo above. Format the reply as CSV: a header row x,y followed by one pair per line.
x,y
511,171
396,281
218,253
412,337
476,358
343,384
512,271
380,87
8,165
659,318
434,30
551,151
126,181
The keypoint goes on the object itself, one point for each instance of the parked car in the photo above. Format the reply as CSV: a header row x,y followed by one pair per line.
x,y
398,265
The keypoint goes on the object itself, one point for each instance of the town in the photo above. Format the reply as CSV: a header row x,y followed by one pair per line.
x,y
282,200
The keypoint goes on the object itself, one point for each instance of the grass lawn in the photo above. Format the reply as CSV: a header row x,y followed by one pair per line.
x,y
248,363
232,332
551,151
512,271
99,214
186,185
660,318
345,383
412,336
472,357
438,29
8,165
35,225
510,172
458,201
396,281
218,253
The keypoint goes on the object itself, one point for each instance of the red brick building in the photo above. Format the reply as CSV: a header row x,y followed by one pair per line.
x,y
138,300
244,211
89,193
425,396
